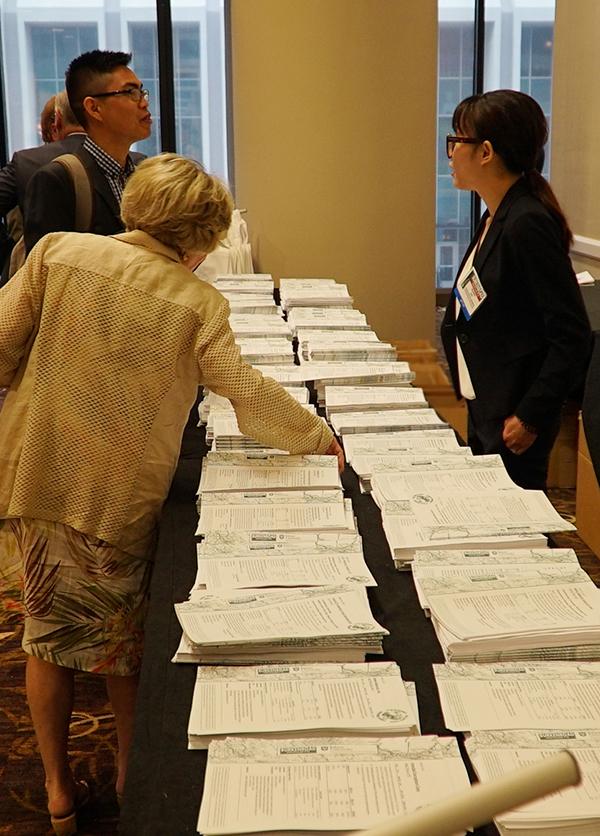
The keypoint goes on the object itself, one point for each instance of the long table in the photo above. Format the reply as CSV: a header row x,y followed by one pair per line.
x,y
165,779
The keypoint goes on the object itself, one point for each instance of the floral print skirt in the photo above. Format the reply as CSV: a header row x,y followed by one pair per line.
x,y
84,600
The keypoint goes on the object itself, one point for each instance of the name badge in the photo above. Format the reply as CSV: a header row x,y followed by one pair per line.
x,y
470,293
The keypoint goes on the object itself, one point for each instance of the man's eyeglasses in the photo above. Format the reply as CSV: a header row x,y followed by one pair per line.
x,y
451,141
136,94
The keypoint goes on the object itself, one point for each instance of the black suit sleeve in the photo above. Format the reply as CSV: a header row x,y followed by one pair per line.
x,y
50,204
548,279
8,188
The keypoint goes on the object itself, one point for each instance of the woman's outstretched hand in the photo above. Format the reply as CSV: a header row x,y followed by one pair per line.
x,y
334,449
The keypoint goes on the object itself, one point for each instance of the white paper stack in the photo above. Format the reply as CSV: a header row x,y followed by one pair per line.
x,y
257,285
321,624
372,398
540,614
212,403
298,510
572,812
248,543
348,351
482,563
324,785
506,696
320,294
249,472
314,700
347,423
249,303
459,508
266,350
239,277
398,443
259,325
329,319
222,429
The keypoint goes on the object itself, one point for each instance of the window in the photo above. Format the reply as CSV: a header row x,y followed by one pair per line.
x,y
517,55
41,37
51,48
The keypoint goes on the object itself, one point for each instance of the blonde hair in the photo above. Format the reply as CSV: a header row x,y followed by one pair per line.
x,y
173,199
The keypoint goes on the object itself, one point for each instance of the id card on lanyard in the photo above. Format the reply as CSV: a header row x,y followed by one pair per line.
x,y
470,293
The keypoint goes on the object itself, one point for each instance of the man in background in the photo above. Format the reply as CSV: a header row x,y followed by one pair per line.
x,y
15,176
110,103
62,134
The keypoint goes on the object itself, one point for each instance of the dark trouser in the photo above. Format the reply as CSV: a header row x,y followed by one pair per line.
x,y
530,469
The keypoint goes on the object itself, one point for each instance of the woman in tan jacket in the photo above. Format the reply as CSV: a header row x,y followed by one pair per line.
x,y
103,343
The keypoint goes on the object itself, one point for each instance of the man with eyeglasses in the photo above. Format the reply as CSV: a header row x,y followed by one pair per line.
x,y
111,104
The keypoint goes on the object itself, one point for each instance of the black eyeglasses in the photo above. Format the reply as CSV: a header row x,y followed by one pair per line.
x,y
136,94
452,140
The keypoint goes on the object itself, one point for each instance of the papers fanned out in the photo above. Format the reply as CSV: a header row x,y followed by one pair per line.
x,y
333,784
575,811
255,626
315,700
272,511
504,696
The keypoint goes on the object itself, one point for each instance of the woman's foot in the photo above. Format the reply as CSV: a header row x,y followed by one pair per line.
x,y
63,806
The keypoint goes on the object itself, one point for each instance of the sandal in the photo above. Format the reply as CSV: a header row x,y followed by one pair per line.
x,y
67,825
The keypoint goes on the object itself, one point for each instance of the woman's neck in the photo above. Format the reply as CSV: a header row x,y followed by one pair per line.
x,y
492,193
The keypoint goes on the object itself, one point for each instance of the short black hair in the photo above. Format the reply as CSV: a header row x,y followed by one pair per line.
x,y
86,72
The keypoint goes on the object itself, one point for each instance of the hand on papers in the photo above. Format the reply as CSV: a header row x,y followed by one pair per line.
x,y
516,437
334,449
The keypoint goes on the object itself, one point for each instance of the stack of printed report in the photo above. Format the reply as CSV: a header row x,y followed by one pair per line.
x,y
313,293
572,812
347,350
256,284
256,326
372,398
329,319
559,696
248,303
366,451
213,404
539,613
324,785
320,624
315,700
458,506
346,423
266,350
435,568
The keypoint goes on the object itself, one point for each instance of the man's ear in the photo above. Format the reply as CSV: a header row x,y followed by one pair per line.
x,y
92,109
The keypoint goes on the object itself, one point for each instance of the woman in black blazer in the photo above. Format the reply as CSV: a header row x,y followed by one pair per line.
x,y
515,332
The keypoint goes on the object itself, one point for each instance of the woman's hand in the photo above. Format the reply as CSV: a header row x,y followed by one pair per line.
x,y
334,449
516,436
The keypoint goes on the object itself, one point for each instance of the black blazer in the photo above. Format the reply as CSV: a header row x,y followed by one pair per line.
x,y
50,201
15,176
527,345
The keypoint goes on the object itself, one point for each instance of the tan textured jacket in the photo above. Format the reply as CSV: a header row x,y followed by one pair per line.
x,y
104,342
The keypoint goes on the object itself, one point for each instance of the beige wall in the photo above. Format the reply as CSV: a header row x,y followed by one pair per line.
x,y
334,147
575,164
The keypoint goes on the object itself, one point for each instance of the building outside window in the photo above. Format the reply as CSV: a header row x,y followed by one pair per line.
x,y
518,55
41,37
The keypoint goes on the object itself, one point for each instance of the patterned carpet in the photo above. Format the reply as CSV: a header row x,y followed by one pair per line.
x,y
93,739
